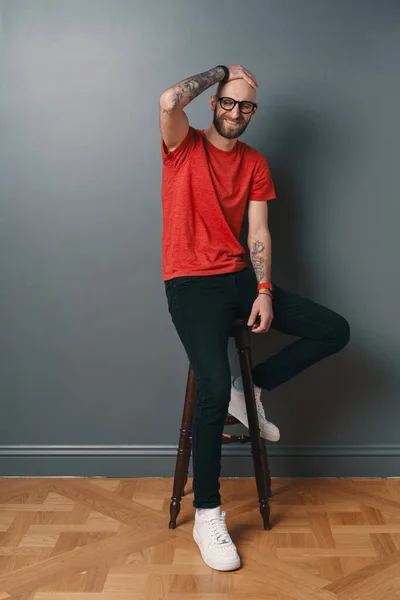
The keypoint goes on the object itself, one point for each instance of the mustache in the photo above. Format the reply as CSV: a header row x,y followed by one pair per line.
x,y
234,120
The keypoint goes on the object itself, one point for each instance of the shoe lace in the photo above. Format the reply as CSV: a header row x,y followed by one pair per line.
x,y
260,408
218,530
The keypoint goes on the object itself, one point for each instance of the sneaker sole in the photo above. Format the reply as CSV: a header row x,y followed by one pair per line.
x,y
242,417
213,563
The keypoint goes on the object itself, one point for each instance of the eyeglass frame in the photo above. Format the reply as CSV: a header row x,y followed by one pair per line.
x,y
255,105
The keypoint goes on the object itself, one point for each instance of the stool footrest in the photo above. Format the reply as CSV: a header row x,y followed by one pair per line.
x,y
230,420
234,439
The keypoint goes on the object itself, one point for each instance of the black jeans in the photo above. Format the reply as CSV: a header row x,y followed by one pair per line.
x,y
202,310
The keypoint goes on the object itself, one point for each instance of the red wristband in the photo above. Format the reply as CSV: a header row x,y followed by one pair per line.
x,y
264,285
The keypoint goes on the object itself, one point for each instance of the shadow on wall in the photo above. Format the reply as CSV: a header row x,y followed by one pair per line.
x,y
302,143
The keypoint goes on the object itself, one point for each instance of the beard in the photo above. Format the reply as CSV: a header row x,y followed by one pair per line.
x,y
228,130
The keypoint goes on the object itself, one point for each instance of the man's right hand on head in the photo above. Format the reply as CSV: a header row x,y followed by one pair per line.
x,y
239,72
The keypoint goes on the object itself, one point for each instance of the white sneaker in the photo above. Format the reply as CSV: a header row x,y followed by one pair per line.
x,y
237,408
212,537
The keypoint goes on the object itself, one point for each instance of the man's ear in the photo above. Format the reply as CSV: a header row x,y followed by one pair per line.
x,y
254,112
213,101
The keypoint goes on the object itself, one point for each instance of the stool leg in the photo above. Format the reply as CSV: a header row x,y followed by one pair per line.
x,y
258,450
184,449
187,462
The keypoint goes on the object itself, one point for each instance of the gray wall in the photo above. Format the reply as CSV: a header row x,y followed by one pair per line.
x,y
92,373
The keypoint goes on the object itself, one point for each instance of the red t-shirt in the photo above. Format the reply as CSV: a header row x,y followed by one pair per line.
x,y
205,191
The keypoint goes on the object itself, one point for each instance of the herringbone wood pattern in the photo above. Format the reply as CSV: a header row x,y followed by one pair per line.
x,y
108,539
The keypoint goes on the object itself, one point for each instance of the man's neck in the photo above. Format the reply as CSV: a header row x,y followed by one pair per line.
x,y
218,140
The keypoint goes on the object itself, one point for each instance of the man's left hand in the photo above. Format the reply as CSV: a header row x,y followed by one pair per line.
x,y
262,307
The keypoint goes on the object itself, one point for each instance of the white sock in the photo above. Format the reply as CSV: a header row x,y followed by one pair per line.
x,y
208,512
238,384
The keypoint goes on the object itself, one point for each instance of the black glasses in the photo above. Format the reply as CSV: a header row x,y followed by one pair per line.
x,y
245,106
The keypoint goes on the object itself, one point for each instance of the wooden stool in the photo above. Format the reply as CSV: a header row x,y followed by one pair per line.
x,y
240,332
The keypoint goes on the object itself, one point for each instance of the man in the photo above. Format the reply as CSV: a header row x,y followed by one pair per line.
x,y
209,179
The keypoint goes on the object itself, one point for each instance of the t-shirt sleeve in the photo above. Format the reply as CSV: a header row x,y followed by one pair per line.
x,y
262,186
177,157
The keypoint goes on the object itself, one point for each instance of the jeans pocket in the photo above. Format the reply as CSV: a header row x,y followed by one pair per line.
x,y
173,288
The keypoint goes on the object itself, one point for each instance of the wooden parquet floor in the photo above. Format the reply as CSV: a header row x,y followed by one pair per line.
x,y
108,539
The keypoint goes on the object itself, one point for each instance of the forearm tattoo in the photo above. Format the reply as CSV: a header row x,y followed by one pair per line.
x,y
258,260
188,89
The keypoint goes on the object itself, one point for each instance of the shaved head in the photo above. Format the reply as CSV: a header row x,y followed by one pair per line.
x,y
238,89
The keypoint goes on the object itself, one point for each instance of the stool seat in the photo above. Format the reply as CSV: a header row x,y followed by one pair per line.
x,y
241,332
